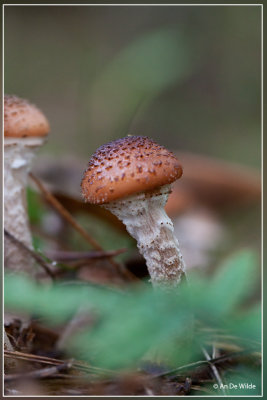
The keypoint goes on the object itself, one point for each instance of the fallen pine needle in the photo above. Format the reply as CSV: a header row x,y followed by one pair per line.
x,y
39,373
202,362
77,365
65,256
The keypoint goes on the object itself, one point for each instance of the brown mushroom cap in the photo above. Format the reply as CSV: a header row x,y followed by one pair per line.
x,y
22,119
126,166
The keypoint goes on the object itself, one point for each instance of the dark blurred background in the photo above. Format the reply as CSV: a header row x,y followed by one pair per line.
x,y
187,76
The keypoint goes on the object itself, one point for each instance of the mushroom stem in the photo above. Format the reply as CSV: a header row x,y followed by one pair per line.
x,y
18,155
146,220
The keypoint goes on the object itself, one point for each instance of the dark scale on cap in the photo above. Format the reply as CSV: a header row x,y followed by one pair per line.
x,y
126,166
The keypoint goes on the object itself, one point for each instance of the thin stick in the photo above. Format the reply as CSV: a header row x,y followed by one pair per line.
x,y
54,361
40,373
65,213
32,253
68,217
68,256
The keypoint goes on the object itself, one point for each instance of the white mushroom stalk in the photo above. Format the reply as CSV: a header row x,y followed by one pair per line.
x,y
131,177
25,128
18,156
146,221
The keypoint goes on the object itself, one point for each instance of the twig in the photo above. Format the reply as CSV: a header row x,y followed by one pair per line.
x,y
65,213
68,217
81,366
214,370
65,256
40,373
33,254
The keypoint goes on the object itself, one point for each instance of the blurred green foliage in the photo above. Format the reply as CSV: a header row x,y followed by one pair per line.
x,y
130,324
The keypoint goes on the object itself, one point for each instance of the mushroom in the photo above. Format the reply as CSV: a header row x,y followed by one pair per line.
x,y
25,129
131,177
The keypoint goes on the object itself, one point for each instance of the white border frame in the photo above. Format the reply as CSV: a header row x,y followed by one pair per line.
x,y
136,5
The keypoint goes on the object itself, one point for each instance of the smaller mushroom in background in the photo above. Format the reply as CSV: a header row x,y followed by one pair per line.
x,y
131,177
25,129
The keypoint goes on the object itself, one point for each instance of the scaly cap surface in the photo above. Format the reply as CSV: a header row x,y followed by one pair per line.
x,y
22,119
126,166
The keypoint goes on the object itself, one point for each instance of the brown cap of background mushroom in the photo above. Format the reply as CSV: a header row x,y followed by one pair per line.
x,y
126,166
22,119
